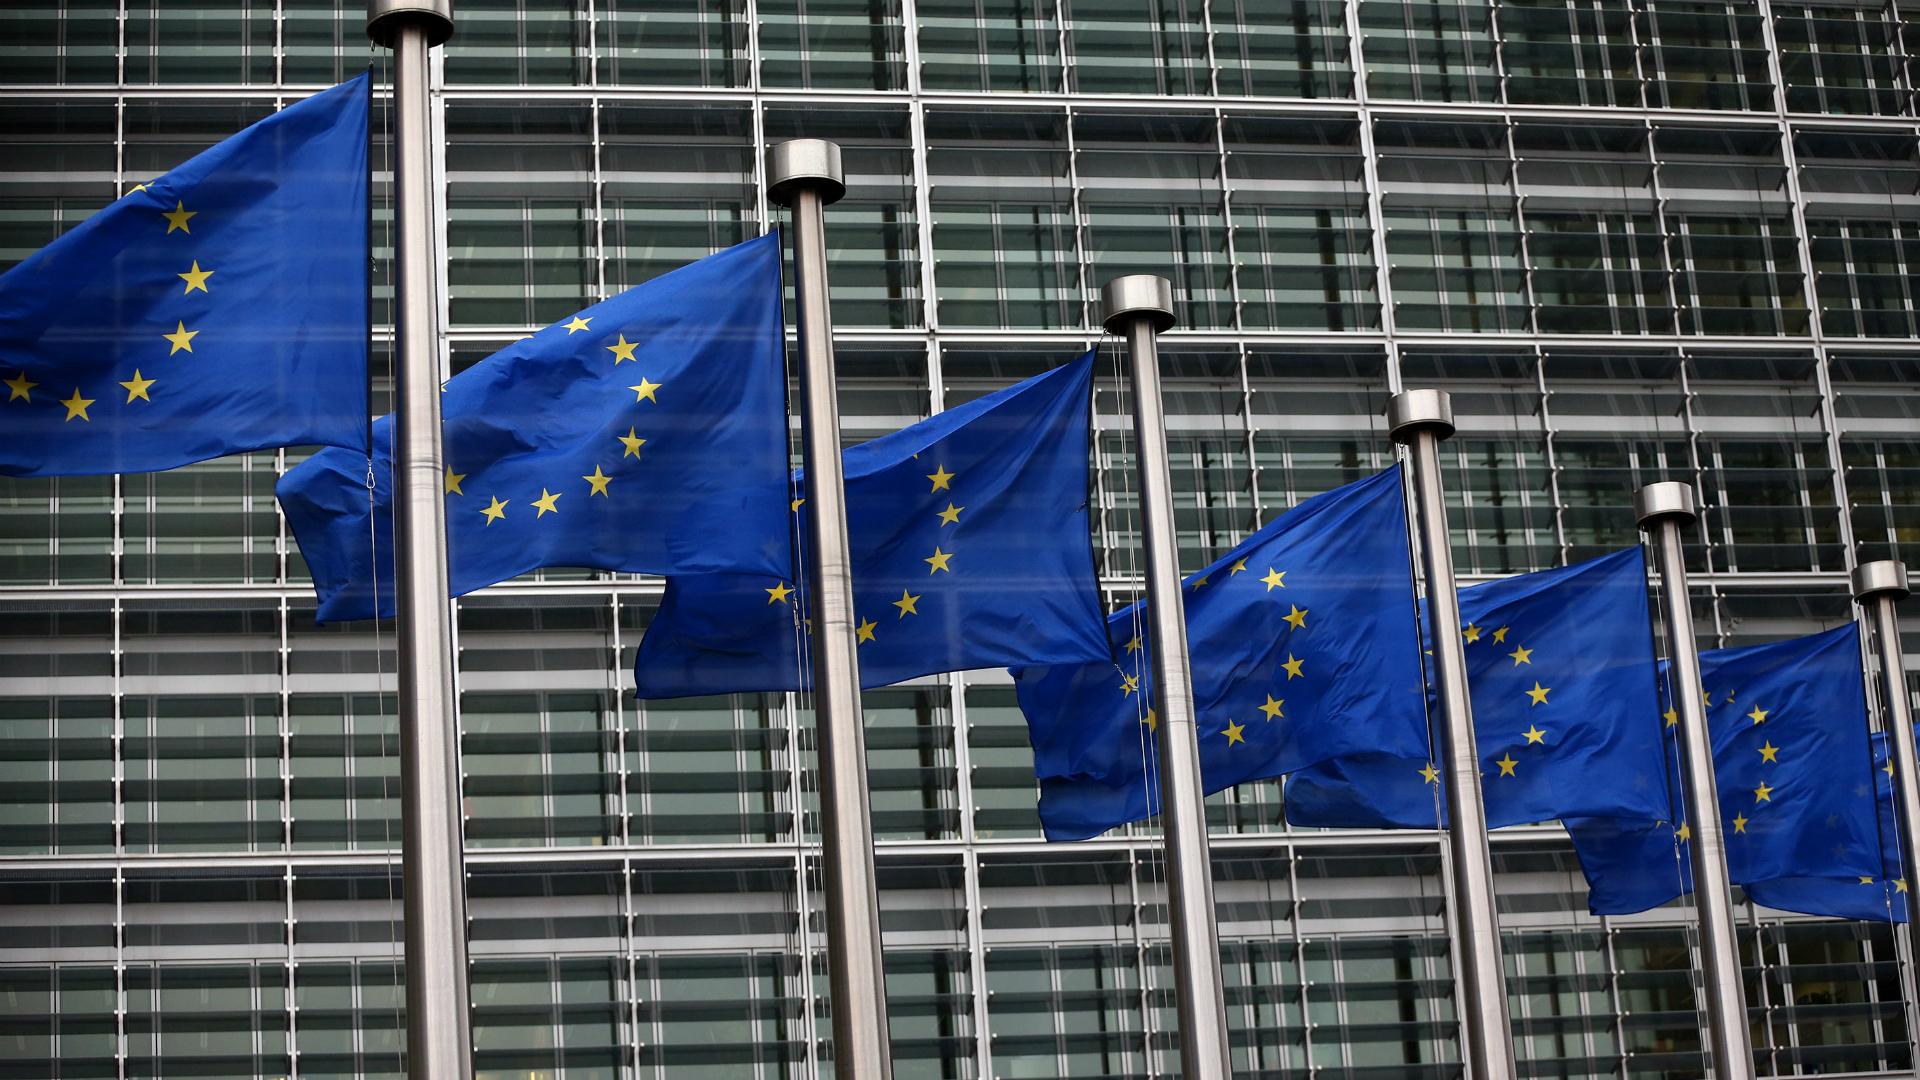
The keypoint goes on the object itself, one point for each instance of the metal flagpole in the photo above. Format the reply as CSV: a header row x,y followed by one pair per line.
x,y
1419,419
804,175
1138,307
439,1040
1662,510
1878,586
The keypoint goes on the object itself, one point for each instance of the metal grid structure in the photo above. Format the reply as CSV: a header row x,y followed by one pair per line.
x,y
1636,239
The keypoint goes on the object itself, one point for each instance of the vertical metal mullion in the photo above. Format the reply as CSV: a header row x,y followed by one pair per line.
x,y
1370,177
1550,436
1300,958
624,835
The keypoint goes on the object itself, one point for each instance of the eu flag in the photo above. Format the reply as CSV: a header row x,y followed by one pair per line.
x,y
646,433
217,309
1303,648
1867,897
1560,666
1792,764
970,548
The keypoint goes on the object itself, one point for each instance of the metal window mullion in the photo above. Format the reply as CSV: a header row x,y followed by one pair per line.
x,y
624,832
976,955
1143,964
122,1050
803,900
1370,177
629,1022
1549,436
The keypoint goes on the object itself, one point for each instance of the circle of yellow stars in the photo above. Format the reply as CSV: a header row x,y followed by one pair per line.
x,y
1294,667
599,481
140,387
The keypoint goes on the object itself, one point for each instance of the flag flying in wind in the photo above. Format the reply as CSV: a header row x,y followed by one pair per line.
x,y
969,545
1303,648
1560,666
646,433
217,309
1866,897
1792,763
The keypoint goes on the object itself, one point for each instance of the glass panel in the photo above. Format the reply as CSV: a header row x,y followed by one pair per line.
x,y
1137,46
1303,246
832,44
984,45
518,234
518,42
672,42
1429,51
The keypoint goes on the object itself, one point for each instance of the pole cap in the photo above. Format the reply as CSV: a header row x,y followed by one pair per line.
x,y
1887,577
1669,498
386,17
1134,296
805,163
1411,411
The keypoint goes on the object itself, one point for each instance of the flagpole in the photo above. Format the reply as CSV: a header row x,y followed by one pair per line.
x,y
1662,510
1877,587
1138,307
439,1038
1419,419
805,176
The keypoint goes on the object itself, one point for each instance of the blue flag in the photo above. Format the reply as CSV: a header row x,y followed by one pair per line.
x,y
1560,666
1792,763
1867,897
217,309
970,548
647,433
1303,646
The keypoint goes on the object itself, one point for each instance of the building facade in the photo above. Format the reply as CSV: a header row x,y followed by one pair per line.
x,y
1636,239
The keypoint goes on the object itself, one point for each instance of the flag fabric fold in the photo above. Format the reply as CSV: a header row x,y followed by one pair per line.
x,y
1867,897
646,433
1792,762
969,543
1561,669
217,309
1303,647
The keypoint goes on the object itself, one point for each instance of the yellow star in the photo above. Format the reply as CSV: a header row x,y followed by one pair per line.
x,y
577,324
1297,618
1770,753
597,483
951,515
1684,833
1292,667
1134,645
181,337
940,477
1865,880
545,504
19,385
1672,718
864,632
644,392
1899,884
794,506
1235,733
1239,565
77,406
1500,636
1534,734
1430,774
1129,684
1740,823
906,602
1152,720
1473,635
196,278
622,350
177,218
1272,708
1199,581
138,188
1887,768
939,560
1763,793
1758,715
137,387
1706,698
1539,693
1521,655
779,593
451,481
632,442
1275,579
1506,765
496,511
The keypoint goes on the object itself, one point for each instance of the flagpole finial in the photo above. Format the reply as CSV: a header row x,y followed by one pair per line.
x,y
1418,410
1885,577
385,17
1667,499
805,163
1137,294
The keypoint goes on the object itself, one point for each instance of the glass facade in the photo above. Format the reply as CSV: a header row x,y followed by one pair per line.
x,y
1636,239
